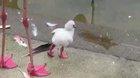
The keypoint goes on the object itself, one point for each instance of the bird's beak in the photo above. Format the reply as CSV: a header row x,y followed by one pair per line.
x,y
74,26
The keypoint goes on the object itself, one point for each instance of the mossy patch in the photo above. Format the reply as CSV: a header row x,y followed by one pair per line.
x,y
11,3
80,18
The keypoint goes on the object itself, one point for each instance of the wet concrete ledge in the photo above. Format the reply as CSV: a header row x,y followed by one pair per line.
x,y
128,41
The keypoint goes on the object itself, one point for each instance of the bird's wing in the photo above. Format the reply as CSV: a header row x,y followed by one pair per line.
x,y
56,30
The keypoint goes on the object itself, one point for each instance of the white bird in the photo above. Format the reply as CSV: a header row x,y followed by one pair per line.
x,y
62,37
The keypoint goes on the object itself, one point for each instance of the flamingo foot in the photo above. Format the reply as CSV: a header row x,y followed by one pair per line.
x,y
63,55
7,62
38,71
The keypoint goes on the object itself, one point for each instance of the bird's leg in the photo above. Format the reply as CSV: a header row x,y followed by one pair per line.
x,y
63,55
51,52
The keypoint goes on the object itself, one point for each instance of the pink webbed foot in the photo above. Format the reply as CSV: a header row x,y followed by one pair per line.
x,y
63,55
38,71
7,62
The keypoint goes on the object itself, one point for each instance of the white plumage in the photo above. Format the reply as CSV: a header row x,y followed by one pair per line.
x,y
7,26
34,30
64,36
51,24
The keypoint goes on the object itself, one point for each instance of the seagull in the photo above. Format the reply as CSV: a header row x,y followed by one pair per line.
x,y
62,37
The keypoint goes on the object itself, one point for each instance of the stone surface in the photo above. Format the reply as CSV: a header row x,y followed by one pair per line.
x,y
128,40
81,63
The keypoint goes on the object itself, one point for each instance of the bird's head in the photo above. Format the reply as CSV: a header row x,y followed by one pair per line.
x,y
70,25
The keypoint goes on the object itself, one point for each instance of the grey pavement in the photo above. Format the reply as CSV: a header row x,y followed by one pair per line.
x,y
80,64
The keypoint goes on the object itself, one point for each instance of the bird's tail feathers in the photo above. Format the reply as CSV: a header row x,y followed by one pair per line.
x,y
39,49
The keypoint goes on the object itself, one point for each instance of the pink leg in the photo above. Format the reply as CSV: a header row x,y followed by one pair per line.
x,y
63,55
51,52
5,61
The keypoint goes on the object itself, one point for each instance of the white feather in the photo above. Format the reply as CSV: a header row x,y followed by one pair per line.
x,y
63,36
25,75
20,41
7,26
34,30
19,12
51,24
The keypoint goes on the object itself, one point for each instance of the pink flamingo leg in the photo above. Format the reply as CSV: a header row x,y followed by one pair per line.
x,y
5,61
40,70
63,55
51,52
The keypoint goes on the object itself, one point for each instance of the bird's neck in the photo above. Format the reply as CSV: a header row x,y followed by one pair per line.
x,y
71,32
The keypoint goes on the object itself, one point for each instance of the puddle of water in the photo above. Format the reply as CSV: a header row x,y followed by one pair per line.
x,y
102,41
